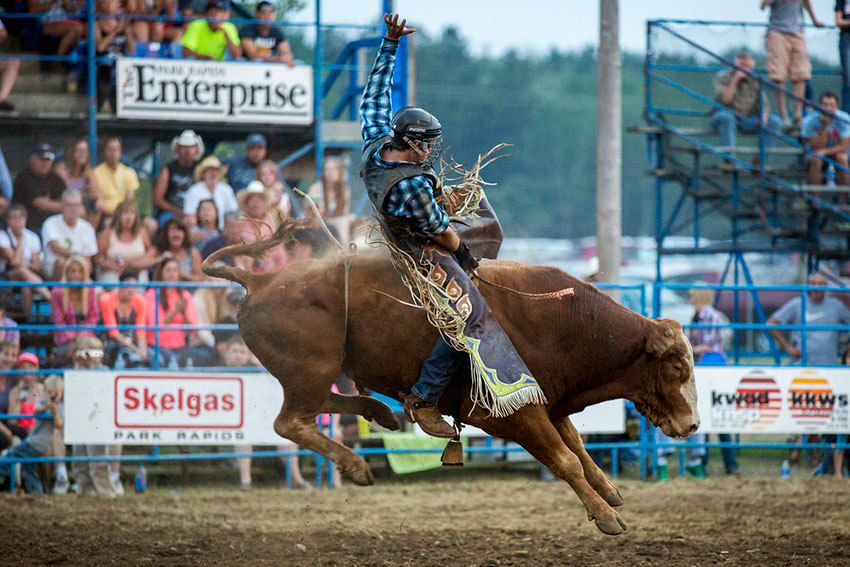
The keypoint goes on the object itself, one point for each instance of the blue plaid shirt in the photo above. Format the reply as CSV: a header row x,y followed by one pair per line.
x,y
413,197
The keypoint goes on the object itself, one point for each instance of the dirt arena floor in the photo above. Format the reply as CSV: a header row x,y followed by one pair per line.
x,y
451,520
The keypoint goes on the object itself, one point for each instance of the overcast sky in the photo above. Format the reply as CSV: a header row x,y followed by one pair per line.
x,y
493,26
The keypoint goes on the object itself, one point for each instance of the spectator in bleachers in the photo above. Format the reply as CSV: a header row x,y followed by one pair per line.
x,y
821,346
116,181
254,204
39,441
8,74
241,171
27,392
208,223
8,335
174,241
38,188
73,306
141,29
20,250
212,37
786,53
266,42
261,222
176,307
208,185
127,348
5,184
212,304
335,196
67,234
739,93
113,38
68,30
76,171
234,224
830,137
8,382
123,244
281,197
842,22
169,31
177,176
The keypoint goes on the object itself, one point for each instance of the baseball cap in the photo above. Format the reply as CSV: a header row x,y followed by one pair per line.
x,y
30,357
44,151
220,4
262,6
256,140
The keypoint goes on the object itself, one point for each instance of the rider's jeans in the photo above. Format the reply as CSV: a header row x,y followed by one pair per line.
x,y
437,371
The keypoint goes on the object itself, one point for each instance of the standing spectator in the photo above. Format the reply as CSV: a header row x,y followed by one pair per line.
x,y
20,250
8,74
38,188
829,136
266,42
244,170
208,223
28,391
73,306
739,93
123,244
842,22
177,176
821,346
116,181
281,197
174,241
786,53
127,348
113,39
211,37
171,30
66,234
76,171
208,185
175,307
39,441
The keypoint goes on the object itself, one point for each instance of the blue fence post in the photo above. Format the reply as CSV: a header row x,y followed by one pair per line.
x,y
91,84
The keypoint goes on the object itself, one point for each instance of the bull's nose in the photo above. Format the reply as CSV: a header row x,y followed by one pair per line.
x,y
693,428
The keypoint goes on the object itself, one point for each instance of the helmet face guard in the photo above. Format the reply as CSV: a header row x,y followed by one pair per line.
x,y
421,131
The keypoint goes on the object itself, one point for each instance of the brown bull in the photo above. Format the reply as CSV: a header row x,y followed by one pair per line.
x,y
582,350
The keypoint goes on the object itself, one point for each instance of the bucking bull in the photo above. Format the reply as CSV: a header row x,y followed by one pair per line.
x,y
582,349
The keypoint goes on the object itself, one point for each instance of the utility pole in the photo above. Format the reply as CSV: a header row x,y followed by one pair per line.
x,y
608,144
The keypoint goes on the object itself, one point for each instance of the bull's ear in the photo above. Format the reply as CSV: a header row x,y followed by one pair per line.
x,y
660,339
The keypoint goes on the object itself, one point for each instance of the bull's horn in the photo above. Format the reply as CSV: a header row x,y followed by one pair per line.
x,y
668,332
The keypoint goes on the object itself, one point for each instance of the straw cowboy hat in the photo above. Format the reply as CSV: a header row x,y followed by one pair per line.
x,y
188,138
254,188
207,163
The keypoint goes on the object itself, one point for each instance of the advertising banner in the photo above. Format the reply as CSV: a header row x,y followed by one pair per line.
x,y
214,91
744,399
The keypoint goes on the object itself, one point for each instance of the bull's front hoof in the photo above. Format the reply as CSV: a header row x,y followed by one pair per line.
x,y
614,526
387,420
361,476
614,499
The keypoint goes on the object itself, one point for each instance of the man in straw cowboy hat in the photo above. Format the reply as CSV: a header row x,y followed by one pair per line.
x,y
208,185
177,176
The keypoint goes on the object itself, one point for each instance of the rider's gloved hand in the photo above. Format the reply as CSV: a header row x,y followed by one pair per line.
x,y
465,259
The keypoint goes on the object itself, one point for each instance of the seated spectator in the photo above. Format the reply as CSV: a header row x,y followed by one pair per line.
x,y
171,30
8,74
127,348
175,307
281,197
76,171
266,42
27,392
254,203
177,176
8,382
739,93
141,29
830,137
68,30
113,38
38,188
123,245
8,335
39,441
241,171
211,37
66,234
20,251
5,184
235,226
116,181
213,304
208,223
208,185
173,241
73,306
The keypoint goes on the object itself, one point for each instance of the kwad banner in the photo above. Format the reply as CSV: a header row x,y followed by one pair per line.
x,y
741,399
167,408
214,91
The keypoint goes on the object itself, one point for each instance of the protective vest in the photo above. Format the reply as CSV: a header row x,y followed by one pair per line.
x,y
378,181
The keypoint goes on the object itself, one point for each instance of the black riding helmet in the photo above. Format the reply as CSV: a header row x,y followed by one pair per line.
x,y
412,124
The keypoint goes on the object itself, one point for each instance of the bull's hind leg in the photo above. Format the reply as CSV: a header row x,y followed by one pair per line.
x,y
366,406
592,473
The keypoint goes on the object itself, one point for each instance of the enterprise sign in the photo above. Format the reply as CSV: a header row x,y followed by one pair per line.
x,y
214,91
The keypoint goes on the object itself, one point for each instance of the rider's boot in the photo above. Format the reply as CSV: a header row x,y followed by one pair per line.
x,y
429,418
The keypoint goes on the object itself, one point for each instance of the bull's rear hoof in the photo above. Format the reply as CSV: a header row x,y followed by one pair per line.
x,y
614,499
614,526
361,476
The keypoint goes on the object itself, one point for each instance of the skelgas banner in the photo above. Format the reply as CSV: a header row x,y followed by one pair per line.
x,y
214,91
745,399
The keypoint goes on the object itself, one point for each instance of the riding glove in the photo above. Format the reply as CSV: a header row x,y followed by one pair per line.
x,y
465,259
